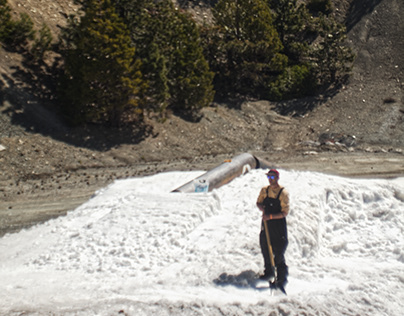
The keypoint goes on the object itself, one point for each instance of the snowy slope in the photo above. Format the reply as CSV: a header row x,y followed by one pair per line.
x,y
137,249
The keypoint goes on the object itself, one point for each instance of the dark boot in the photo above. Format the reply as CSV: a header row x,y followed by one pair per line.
x,y
282,273
268,274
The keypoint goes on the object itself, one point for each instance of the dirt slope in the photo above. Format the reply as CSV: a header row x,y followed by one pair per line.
x,y
47,168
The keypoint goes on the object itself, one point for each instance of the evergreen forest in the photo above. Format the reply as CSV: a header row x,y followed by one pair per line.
x,y
124,59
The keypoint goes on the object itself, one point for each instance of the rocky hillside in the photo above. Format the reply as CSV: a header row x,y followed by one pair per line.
x,y
41,158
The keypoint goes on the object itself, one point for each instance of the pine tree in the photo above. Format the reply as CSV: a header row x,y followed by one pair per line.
x,y
5,20
190,81
42,43
248,50
292,21
314,46
333,60
22,30
323,6
102,79
15,33
168,43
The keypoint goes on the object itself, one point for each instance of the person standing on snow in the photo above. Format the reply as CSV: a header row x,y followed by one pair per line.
x,y
273,201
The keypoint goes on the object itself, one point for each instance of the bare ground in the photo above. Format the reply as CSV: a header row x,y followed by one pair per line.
x,y
48,168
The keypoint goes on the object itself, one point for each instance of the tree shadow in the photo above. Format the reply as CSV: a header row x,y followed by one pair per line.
x,y
246,279
32,104
232,101
298,107
357,10
187,3
301,106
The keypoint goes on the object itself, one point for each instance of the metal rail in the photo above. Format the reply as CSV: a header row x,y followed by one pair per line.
x,y
226,172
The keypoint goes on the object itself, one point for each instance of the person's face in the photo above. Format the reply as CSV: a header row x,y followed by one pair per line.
x,y
272,178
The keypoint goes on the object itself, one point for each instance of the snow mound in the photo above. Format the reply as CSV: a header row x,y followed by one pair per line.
x,y
137,249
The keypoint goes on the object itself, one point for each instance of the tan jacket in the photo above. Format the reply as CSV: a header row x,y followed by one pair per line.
x,y
273,193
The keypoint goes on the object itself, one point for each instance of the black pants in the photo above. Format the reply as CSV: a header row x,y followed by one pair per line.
x,y
279,246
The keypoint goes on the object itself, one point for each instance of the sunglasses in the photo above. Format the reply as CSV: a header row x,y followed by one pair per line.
x,y
271,177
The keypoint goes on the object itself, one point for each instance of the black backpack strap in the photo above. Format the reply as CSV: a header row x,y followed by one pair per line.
x,y
279,194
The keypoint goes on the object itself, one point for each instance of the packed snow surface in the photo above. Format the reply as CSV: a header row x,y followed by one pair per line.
x,y
135,248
